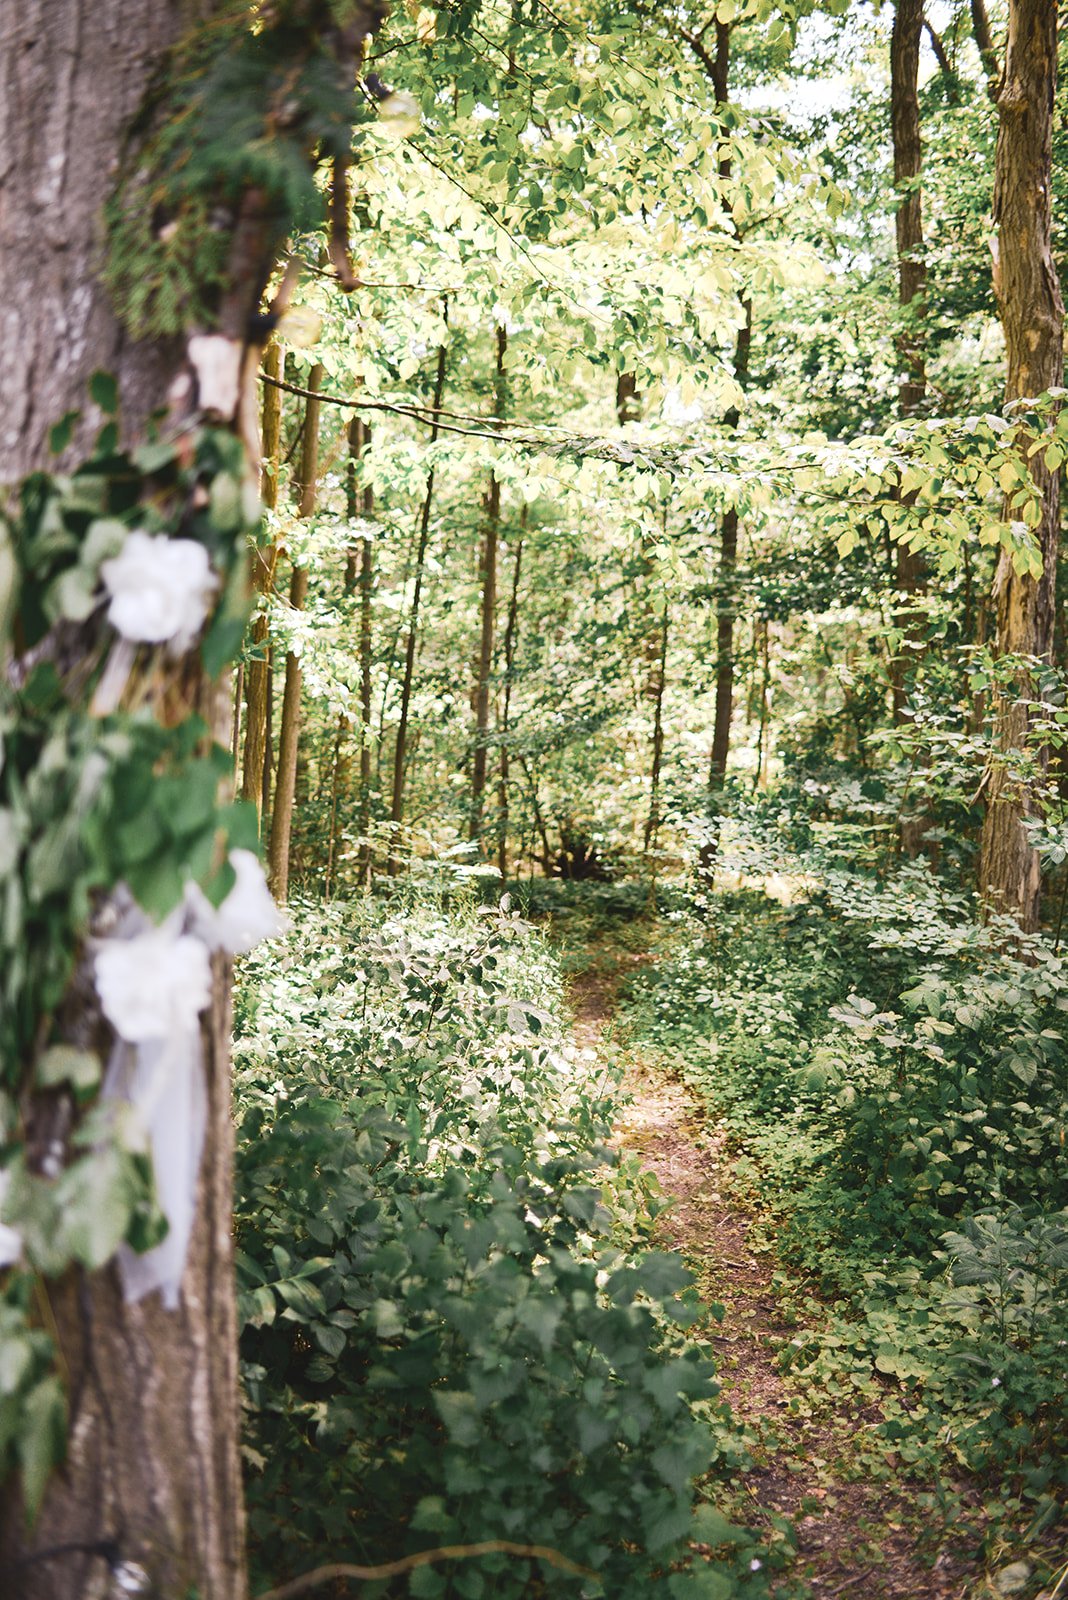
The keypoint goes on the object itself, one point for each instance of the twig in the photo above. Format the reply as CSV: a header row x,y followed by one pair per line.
x,y
1060,1582
424,1558
848,1584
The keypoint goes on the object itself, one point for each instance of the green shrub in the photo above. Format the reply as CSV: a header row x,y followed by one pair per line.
x,y
441,1342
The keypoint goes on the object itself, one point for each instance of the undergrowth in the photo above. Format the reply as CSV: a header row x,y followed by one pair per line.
x,y
449,1335
895,1083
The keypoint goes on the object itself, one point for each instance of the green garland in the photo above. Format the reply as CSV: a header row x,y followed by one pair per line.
x,y
89,802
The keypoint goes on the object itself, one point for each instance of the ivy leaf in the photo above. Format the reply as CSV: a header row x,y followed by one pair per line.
x,y
41,1440
60,434
104,391
65,1063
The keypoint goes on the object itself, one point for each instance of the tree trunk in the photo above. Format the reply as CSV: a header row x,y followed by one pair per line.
x,y
359,574
366,582
152,1468
487,630
984,40
503,773
652,821
1032,313
400,749
911,288
256,765
728,548
289,729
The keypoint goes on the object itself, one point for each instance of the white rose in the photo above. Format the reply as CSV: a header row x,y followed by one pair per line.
x,y
10,1238
153,985
247,915
160,589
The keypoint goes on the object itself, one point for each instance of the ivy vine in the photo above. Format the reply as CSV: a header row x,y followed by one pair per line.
x,y
111,785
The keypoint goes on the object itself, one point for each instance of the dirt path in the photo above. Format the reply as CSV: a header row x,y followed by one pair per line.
x,y
856,1536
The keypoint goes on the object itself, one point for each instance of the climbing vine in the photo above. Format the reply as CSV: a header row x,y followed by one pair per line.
x,y
112,805
126,870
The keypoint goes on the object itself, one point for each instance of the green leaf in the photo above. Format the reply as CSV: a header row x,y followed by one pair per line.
x,y
41,1440
65,1063
104,391
60,434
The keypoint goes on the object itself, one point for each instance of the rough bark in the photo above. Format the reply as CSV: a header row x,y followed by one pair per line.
x,y
1032,314
400,750
152,1465
264,563
488,615
905,40
90,66
289,727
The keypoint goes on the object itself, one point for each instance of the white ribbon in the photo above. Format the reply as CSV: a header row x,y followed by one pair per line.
x,y
153,985
164,1081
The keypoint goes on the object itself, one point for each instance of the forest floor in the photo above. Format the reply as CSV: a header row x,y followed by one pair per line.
x,y
858,1531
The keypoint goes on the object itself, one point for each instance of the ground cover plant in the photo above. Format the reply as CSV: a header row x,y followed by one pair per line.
x,y
894,1080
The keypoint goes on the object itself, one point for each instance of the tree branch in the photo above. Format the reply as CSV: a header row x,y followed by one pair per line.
x,y
424,1558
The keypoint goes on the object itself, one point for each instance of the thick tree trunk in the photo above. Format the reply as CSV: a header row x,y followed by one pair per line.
x,y
911,288
289,728
1032,313
255,765
400,750
90,66
152,1468
488,616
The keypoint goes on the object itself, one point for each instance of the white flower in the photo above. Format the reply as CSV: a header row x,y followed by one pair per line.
x,y
995,1383
247,915
160,589
10,1238
755,1565
154,985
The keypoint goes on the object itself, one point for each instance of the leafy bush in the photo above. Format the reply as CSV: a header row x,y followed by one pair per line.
x,y
895,1074
441,1342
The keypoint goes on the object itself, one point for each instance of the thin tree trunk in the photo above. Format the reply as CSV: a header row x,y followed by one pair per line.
x,y
728,549
910,575
628,400
652,821
761,779
984,40
539,816
510,630
255,776
289,729
488,576
1032,313
366,582
359,573
400,749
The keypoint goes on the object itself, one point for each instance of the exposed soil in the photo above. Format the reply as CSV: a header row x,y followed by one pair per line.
x,y
855,1536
